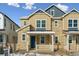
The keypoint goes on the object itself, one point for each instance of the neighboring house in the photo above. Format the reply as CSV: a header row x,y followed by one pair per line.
x,y
8,35
43,30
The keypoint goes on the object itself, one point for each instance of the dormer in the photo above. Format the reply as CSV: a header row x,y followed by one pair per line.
x,y
54,11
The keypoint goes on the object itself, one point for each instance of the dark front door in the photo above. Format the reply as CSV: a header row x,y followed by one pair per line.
x,y
32,41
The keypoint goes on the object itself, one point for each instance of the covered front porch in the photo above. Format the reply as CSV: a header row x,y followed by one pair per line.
x,y
41,41
72,41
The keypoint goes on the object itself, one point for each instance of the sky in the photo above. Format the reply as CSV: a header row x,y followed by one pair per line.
x,y
17,10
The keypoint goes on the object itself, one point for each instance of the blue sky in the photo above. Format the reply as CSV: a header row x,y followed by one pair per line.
x,y
17,10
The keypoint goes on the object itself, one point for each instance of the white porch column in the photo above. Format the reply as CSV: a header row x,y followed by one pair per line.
x,y
67,43
52,42
27,47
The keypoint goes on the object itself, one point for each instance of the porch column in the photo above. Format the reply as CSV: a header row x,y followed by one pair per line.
x,y
52,42
67,43
27,42
27,47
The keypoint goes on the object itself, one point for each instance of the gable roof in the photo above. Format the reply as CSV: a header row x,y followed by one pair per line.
x,y
10,19
37,11
22,27
54,6
73,10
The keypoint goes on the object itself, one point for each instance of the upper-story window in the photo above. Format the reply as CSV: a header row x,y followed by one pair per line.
x,y
52,12
11,25
38,23
75,23
72,23
13,28
41,23
24,22
4,22
1,38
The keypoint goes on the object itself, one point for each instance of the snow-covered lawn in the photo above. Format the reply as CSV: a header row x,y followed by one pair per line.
x,y
38,54
27,54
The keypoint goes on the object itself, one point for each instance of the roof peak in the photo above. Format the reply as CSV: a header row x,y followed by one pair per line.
x,y
54,6
74,10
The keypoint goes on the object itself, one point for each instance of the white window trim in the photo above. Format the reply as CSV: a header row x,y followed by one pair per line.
x,y
77,23
53,12
44,39
73,22
41,23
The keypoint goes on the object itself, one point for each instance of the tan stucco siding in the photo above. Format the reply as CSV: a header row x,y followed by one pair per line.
x,y
22,45
73,16
70,16
41,16
59,31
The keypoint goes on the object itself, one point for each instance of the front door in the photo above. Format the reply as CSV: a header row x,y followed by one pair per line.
x,y
32,42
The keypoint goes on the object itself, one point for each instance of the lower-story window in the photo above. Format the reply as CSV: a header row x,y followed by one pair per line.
x,y
56,39
42,39
70,39
1,38
23,36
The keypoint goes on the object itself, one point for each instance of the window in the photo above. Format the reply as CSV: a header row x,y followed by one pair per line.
x,y
24,22
23,36
38,23
70,23
56,23
75,23
56,39
70,39
13,28
1,38
42,39
4,22
52,12
41,23
77,39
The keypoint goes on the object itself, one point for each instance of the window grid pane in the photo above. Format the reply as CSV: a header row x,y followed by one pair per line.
x,y
43,23
75,23
42,39
38,23
70,23
23,37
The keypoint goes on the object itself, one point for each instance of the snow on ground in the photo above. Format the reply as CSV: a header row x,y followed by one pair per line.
x,y
37,54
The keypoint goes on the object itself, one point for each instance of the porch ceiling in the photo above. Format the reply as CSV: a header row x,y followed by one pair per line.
x,y
40,32
73,32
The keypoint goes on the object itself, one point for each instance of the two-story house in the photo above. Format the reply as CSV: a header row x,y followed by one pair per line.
x,y
43,30
8,35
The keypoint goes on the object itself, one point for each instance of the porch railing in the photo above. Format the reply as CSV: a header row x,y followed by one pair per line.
x,y
43,47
